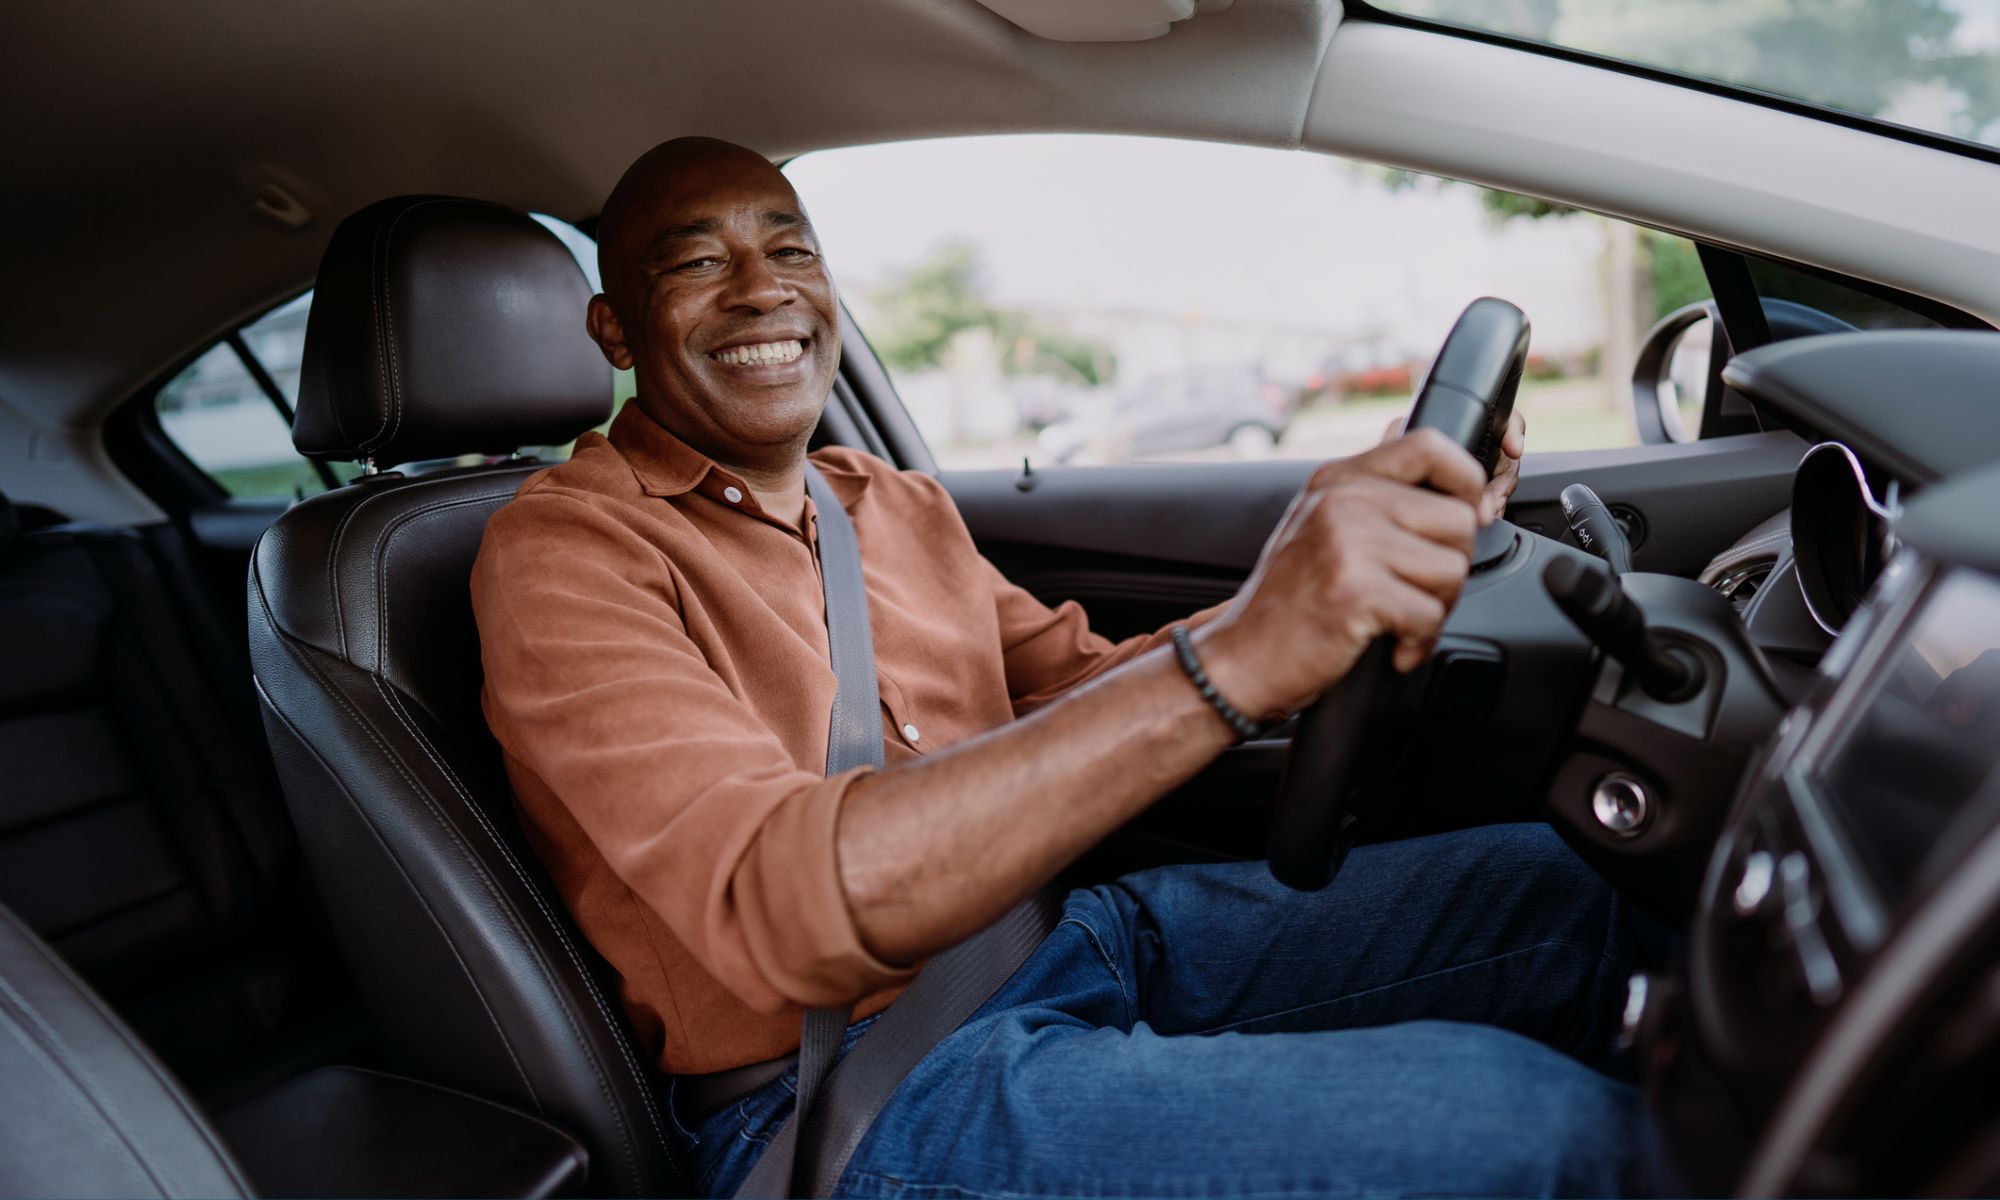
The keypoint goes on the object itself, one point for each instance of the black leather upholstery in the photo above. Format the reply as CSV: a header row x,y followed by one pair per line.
x,y
442,327
366,658
85,1110
340,1131
141,830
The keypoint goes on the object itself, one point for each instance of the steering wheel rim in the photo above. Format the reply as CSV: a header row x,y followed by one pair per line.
x,y
1468,394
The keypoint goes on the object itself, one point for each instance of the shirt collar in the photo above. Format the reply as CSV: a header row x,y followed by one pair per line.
x,y
666,466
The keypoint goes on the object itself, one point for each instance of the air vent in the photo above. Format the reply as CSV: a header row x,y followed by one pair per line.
x,y
1745,582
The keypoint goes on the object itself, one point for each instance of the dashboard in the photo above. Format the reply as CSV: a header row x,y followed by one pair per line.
x,y
1835,1024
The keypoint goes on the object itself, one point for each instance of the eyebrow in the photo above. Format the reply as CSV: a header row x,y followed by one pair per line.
x,y
775,218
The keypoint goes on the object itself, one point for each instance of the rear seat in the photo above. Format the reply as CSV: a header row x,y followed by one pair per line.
x,y
142,832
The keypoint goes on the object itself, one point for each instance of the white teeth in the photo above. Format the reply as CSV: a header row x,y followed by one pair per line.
x,y
762,354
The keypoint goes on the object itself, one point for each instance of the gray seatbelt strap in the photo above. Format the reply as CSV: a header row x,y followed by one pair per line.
x,y
807,1156
950,988
853,739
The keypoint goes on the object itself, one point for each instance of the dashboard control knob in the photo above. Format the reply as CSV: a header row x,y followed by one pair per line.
x,y
1621,804
1753,886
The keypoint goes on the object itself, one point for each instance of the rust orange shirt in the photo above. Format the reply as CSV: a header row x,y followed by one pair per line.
x,y
657,677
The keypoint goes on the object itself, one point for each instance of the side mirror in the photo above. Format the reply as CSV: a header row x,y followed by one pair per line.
x,y
1678,363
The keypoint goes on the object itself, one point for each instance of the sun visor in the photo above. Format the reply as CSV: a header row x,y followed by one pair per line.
x,y
1101,20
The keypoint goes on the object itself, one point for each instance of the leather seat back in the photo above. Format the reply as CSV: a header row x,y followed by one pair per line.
x,y
439,327
89,1112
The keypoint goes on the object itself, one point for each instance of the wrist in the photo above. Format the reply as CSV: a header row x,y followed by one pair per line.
x,y
1217,668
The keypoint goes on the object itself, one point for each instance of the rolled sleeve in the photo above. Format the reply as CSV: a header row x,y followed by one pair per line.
x,y
1050,651
602,702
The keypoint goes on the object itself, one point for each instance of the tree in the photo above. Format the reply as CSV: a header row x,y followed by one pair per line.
x,y
933,301
1861,56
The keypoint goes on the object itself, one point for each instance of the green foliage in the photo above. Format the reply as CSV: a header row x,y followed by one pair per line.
x,y
1507,205
942,296
1861,56
931,303
1675,270
1501,205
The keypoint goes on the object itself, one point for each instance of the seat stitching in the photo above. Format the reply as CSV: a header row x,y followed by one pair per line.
x,y
562,938
384,546
354,715
376,256
333,574
340,536
375,562
394,425
86,1083
145,1059
379,553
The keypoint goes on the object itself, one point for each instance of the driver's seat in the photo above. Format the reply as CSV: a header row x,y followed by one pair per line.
x,y
440,327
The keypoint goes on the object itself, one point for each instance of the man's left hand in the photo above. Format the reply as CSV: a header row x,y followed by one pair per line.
x,y
1506,473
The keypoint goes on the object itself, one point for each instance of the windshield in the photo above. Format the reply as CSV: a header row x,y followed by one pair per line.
x,y
1932,65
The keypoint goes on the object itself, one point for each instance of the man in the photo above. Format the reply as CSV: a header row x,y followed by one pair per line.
x,y
656,673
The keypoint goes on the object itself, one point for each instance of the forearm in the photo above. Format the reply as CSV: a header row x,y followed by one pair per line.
x,y
932,851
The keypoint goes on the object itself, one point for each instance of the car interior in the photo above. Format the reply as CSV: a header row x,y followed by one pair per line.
x,y
268,924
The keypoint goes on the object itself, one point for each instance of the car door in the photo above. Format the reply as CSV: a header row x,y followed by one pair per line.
x,y
1142,543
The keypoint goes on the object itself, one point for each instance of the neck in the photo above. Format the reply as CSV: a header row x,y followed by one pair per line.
x,y
776,474
780,489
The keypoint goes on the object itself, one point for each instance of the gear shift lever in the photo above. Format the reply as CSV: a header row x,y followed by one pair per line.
x,y
1595,529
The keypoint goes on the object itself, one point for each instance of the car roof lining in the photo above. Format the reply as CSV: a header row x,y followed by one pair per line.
x,y
172,119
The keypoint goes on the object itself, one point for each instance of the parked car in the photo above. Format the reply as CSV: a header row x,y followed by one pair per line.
x,y
1230,406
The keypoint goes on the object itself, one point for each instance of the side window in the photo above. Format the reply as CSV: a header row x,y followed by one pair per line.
x,y
224,420
1098,299
222,415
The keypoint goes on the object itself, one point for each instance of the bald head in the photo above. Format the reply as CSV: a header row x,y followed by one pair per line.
x,y
656,180
715,295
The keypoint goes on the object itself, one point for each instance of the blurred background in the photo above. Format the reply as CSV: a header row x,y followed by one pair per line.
x,y
1103,299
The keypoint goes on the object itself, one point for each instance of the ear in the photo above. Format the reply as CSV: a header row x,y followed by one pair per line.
x,y
609,335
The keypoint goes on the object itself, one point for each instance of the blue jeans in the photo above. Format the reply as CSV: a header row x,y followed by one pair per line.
x,y
1432,1024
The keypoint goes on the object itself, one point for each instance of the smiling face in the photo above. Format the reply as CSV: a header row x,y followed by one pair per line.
x,y
716,296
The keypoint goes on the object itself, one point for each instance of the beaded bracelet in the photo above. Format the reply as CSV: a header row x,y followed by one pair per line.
x,y
1184,650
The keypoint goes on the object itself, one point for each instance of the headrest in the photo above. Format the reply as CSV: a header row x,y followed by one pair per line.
x,y
442,327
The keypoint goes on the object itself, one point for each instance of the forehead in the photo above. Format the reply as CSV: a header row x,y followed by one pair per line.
x,y
705,197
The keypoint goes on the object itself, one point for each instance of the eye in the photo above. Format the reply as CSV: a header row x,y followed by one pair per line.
x,y
694,263
796,253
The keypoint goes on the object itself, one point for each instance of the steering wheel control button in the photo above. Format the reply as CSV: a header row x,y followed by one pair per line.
x,y
911,732
733,494
1621,804
1753,886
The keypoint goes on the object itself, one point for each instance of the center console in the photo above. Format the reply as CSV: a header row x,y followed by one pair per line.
x,y
1837,1024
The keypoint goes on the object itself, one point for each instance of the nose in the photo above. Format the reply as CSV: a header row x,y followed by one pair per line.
x,y
754,286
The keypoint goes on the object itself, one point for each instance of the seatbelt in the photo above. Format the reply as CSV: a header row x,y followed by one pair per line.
x,y
835,1112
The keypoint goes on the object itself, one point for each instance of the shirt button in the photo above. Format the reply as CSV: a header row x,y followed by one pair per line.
x,y
733,494
910,732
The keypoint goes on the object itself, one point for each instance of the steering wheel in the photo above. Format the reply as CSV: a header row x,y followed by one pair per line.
x,y
1468,395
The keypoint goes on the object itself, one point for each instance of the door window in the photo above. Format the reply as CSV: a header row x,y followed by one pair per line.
x,y
1096,299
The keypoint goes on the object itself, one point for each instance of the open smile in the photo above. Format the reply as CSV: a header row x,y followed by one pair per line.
x,y
762,354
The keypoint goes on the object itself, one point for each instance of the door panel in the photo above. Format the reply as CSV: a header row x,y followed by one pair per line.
x,y
1199,522
1145,544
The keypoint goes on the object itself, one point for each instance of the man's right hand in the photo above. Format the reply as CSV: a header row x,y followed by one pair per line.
x,y
1374,545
